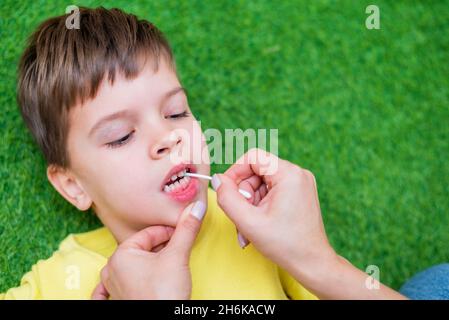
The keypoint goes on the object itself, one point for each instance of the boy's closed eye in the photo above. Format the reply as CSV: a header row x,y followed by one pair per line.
x,y
121,141
178,115
125,139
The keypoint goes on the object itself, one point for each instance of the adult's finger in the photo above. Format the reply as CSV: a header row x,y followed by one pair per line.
x,y
100,292
251,184
257,162
148,238
187,229
231,201
256,187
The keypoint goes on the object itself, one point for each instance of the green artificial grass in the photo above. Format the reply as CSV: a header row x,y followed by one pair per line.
x,y
366,110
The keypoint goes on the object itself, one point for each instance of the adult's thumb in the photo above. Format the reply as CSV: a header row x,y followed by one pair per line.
x,y
187,229
236,207
148,238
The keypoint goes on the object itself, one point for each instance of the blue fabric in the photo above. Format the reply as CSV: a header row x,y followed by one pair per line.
x,y
430,284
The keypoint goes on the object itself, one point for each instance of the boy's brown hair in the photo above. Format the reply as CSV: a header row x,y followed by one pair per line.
x,y
61,67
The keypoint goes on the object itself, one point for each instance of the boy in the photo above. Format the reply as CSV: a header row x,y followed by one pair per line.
x,y
103,103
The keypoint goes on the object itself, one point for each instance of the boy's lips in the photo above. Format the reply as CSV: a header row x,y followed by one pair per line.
x,y
179,187
176,170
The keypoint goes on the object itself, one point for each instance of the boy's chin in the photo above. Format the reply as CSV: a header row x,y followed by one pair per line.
x,y
180,206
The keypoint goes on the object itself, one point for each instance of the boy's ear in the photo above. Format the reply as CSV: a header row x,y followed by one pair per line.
x,y
68,186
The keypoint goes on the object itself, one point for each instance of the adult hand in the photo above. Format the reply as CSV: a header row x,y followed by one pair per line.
x,y
283,218
137,271
283,221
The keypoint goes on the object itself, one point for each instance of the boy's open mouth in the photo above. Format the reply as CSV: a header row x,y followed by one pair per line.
x,y
179,186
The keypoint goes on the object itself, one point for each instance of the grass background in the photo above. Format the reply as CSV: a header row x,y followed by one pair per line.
x,y
366,110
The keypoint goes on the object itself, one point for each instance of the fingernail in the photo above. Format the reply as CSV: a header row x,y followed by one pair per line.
x,y
198,210
242,241
245,193
215,182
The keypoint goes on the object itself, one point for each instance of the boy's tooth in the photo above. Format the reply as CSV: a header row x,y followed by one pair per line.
x,y
183,181
173,184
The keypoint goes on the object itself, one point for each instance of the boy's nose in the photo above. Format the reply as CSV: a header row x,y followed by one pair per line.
x,y
165,146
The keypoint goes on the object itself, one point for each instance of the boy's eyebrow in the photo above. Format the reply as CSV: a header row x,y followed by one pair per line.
x,y
128,114
113,116
172,92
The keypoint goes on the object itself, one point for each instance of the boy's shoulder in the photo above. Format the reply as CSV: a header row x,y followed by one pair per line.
x,y
96,242
72,271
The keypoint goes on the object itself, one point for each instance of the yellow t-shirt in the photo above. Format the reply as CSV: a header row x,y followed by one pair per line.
x,y
220,268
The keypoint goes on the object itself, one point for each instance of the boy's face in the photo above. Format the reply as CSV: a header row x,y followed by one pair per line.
x,y
124,164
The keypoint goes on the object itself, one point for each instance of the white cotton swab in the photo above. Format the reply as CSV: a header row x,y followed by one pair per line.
x,y
244,193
